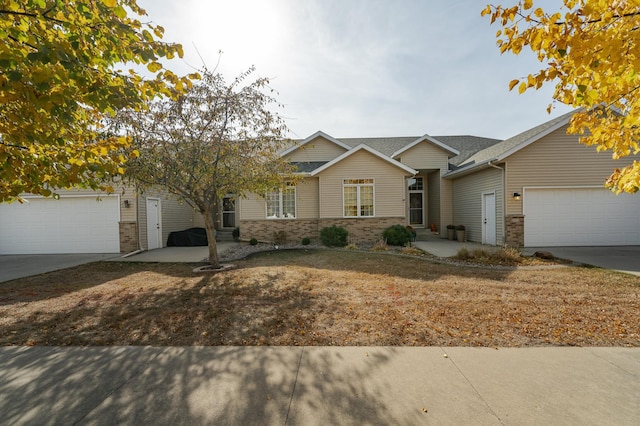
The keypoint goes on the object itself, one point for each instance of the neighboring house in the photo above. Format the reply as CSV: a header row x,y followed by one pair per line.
x,y
84,221
539,188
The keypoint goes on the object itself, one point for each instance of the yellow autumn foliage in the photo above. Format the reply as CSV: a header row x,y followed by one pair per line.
x,y
59,79
590,50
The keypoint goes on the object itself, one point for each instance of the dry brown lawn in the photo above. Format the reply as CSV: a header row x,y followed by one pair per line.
x,y
322,297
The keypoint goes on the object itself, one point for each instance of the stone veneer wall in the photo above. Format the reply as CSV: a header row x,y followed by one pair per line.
x,y
514,230
361,231
128,237
262,230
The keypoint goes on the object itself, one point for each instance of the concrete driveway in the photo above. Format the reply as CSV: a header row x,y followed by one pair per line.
x,y
24,265
15,266
617,258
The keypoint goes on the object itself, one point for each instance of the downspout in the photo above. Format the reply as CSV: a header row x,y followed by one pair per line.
x,y
504,201
138,218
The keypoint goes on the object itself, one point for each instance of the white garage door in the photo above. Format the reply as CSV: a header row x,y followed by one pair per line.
x,y
67,225
580,217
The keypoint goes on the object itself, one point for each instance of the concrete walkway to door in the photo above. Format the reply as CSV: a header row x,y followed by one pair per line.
x,y
447,248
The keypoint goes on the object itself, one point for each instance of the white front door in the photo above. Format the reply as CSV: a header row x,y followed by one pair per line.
x,y
154,225
489,219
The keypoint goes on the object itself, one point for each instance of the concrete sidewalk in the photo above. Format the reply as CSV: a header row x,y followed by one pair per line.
x,y
445,248
198,254
319,385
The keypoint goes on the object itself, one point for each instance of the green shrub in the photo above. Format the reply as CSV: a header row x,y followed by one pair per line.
x,y
236,233
280,237
334,236
253,241
397,235
306,241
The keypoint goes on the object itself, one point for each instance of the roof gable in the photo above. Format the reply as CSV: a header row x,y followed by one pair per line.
x,y
504,149
514,144
317,134
427,138
364,147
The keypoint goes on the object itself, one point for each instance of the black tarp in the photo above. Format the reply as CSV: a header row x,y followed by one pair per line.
x,y
188,238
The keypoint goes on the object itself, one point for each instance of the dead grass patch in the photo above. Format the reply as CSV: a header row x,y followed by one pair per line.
x,y
321,297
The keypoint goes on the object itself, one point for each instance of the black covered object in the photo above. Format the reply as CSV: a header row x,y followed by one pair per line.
x,y
188,238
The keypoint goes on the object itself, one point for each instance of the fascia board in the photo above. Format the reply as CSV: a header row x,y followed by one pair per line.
x,y
319,133
426,138
370,150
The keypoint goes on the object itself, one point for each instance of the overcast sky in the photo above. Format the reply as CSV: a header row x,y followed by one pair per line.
x,y
364,68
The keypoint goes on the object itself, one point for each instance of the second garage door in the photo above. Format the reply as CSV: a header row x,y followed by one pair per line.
x,y
580,217
69,225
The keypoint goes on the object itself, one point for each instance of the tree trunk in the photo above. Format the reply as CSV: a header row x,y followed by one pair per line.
x,y
209,224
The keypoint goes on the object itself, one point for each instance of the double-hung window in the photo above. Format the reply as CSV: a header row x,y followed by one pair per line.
x,y
281,204
357,197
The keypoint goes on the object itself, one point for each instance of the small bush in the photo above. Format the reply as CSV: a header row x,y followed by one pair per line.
x,y
380,246
503,256
351,246
236,233
280,237
334,236
397,235
412,251
253,241
306,241
463,254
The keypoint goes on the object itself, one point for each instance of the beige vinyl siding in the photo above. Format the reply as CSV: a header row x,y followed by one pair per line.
x,y
319,149
389,189
253,207
307,203
176,215
467,202
425,156
557,159
432,197
446,202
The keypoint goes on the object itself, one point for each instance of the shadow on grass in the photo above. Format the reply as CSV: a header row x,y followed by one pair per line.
x,y
208,310
221,385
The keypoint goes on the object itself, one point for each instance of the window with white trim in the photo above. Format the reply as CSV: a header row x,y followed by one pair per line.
x,y
281,204
357,197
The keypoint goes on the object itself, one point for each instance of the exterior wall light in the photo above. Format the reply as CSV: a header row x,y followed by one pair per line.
x,y
516,195
127,204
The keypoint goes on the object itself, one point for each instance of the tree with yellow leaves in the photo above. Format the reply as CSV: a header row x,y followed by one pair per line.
x,y
591,51
58,80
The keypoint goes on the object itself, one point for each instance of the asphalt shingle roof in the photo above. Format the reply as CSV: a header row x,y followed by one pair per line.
x,y
498,149
308,166
467,145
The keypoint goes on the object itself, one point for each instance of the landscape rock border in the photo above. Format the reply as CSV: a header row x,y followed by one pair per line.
x,y
208,269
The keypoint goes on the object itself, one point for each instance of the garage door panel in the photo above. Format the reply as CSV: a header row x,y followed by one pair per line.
x,y
67,225
580,217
